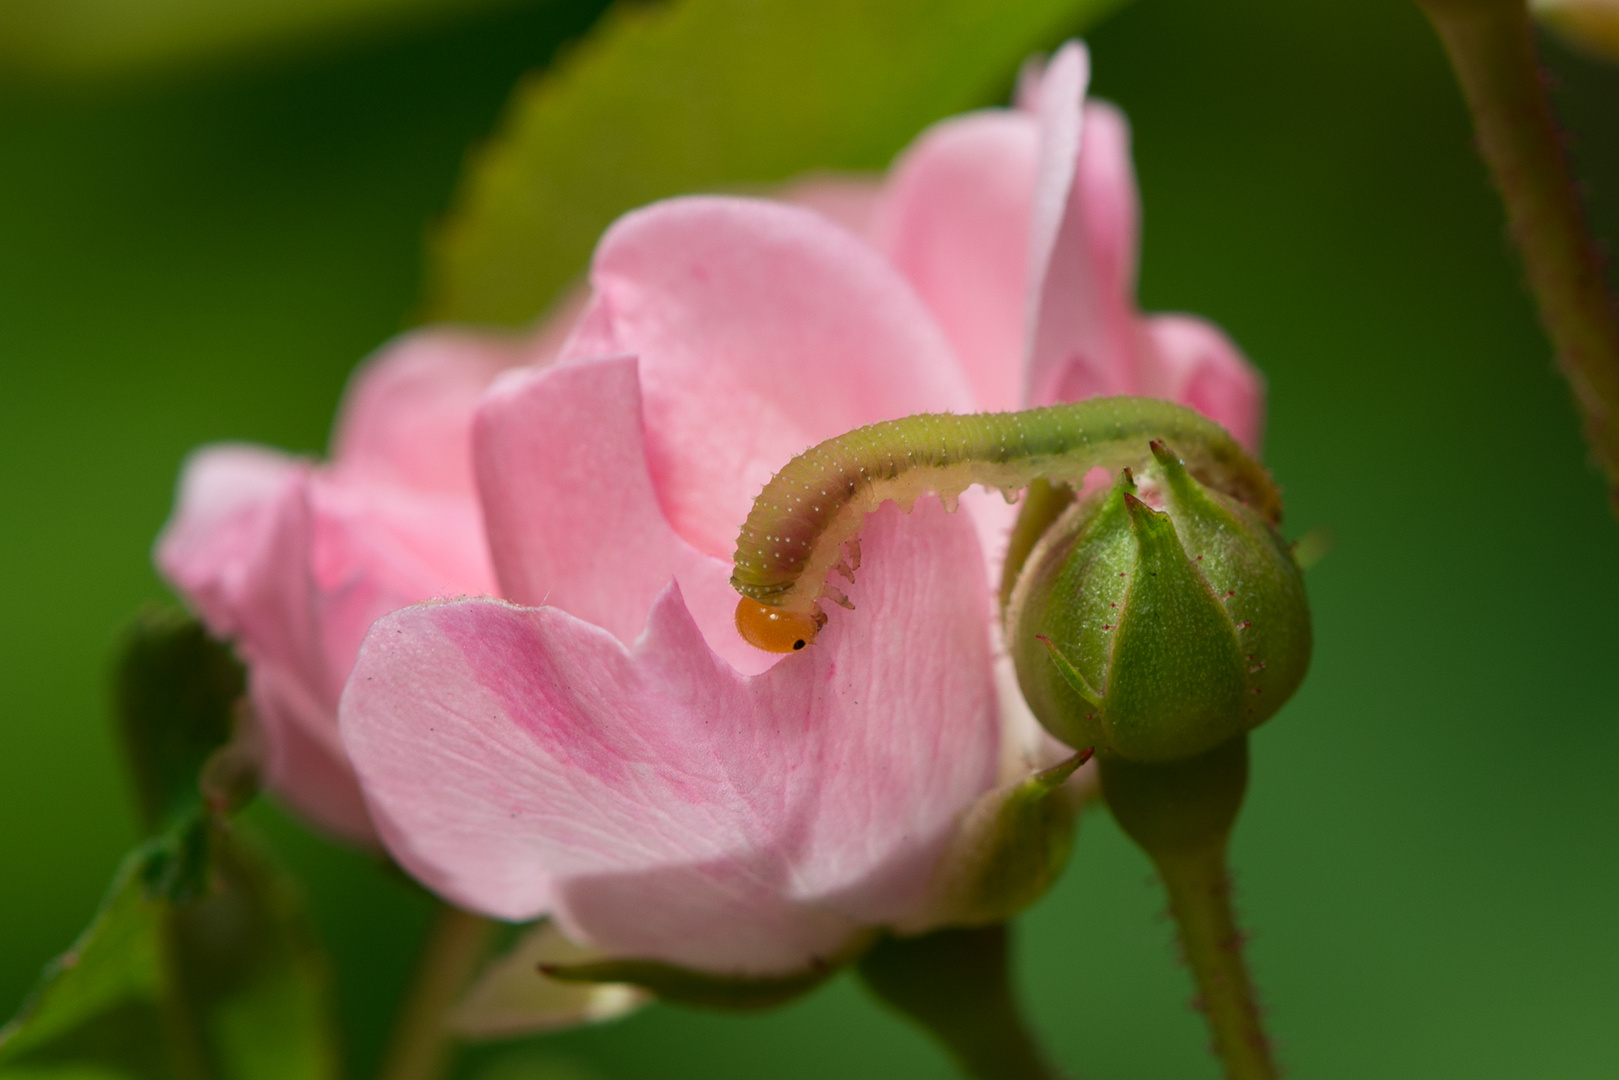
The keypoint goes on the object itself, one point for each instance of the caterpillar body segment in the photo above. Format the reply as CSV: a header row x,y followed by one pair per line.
x,y
807,519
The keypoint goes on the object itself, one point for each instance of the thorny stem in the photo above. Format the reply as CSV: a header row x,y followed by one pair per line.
x,y
1200,899
421,1046
1491,46
955,983
1181,814
187,1046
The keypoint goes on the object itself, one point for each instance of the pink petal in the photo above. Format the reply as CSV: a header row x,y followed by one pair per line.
x,y
570,513
993,517
848,199
1083,337
294,566
251,581
262,598
556,326
1031,75
304,761
663,806
1193,362
208,544
572,517
372,549
955,221
761,329
1110,201
406,415
332,559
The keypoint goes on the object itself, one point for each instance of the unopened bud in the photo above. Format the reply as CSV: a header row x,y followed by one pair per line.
x,y
1156,634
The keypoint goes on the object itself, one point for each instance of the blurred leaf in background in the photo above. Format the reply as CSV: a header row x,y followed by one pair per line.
x,y
79,39
225,986
99,1003
696,95
529,1064
175,692
199,965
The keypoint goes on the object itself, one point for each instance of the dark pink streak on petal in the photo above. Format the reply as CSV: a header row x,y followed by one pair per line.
x,y
658,803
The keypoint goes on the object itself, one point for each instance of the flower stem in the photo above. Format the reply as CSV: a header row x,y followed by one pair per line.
x,y
1181,814
422,1044
1200,899
956,984
1491,46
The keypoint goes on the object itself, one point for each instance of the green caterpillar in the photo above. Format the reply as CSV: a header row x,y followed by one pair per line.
x,y
805,524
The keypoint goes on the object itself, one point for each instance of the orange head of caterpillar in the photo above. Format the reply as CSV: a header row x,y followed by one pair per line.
x,y
776,629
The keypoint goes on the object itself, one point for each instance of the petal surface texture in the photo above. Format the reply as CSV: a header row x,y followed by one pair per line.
x,y
573,519
955,220
662,805
761,330
1081,323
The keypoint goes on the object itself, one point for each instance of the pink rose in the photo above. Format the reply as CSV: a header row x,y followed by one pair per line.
x,y
294,561
610,753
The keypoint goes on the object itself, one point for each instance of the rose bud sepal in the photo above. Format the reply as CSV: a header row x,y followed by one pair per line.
x,y
1155,635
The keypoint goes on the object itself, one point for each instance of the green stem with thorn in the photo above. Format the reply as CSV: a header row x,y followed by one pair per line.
x,y
1491,46
1181,814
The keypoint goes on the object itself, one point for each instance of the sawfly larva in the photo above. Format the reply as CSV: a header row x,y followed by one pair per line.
x,y
805,524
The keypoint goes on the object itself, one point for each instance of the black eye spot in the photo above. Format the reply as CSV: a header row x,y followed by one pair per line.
x,y
799,644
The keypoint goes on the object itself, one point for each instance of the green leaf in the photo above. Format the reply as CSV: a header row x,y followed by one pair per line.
x,y
694,95
247,974
199,965
89,38
175,691
98,1003
227,986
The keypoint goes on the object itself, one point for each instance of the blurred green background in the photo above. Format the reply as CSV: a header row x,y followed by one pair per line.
x,y
1430,852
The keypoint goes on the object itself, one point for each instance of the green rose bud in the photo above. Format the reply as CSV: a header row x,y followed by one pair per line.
x,y
1156,635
